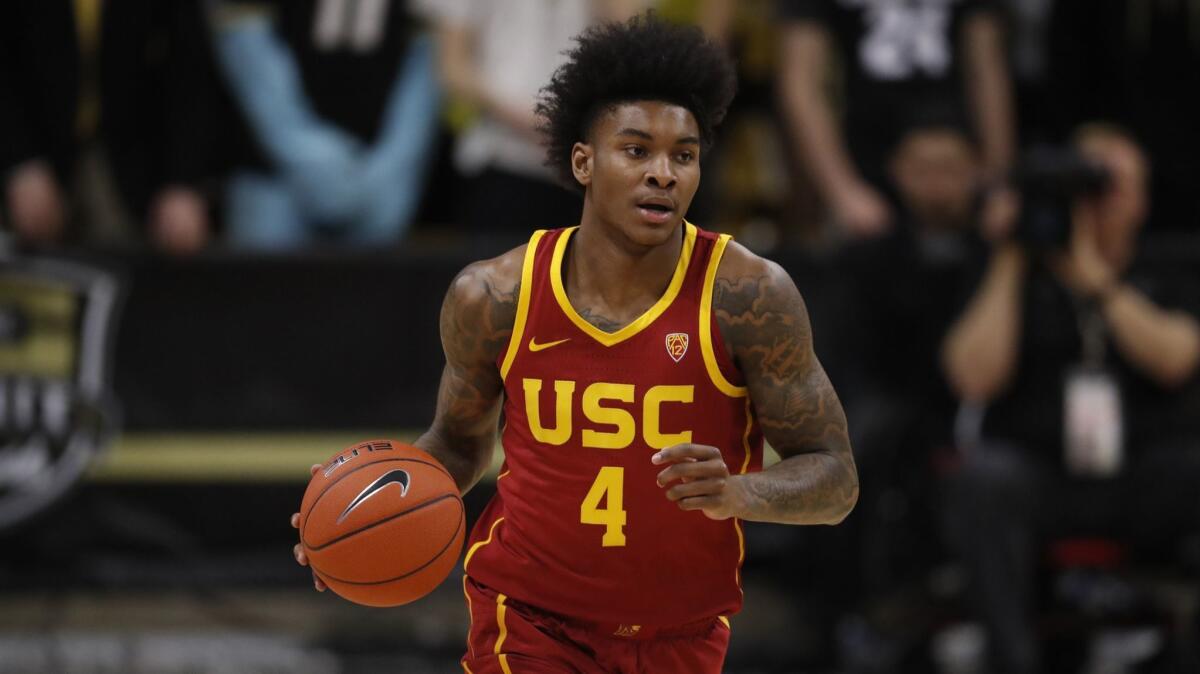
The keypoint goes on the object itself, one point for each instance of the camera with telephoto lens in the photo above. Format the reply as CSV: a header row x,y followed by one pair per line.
x,y
1049,180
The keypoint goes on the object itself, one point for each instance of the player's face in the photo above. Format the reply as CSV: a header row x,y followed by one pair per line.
x,y
642,168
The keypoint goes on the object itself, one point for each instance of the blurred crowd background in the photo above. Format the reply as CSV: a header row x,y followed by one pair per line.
x,y
227,226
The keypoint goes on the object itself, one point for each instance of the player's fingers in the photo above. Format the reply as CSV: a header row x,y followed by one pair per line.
x,y
697,488
295,520
698,470
709,503
318,583
298,553
314,468
684,452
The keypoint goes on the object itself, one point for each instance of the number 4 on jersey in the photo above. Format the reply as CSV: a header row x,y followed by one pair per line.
x,y
609,482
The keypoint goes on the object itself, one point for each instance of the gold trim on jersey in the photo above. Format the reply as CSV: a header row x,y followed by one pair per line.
x,y
737,572
706,344
611,338
501,609
514,342
480,544
746,436
737,524
470,622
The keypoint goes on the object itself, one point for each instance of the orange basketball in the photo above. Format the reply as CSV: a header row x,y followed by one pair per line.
x,y
382,523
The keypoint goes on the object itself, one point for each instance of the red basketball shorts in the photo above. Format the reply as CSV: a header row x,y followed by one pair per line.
x,y
508,637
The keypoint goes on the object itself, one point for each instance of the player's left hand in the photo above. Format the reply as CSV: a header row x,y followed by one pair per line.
x,y
704,482
297,549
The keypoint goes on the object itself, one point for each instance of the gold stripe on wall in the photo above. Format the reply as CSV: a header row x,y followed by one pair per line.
x,y
233,457
240,457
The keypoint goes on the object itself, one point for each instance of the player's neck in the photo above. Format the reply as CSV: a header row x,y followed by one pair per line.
x,y
603,265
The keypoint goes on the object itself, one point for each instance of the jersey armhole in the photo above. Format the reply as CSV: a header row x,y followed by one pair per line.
x,y
518,332
711,344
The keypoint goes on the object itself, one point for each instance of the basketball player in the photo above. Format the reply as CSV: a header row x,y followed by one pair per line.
x,y
638,361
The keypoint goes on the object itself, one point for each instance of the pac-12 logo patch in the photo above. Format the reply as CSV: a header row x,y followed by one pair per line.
x,y
677,343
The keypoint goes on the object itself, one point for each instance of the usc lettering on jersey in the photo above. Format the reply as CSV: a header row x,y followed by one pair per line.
x,y
579,525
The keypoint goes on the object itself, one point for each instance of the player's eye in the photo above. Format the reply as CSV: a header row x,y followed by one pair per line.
x,y
635,151
686,156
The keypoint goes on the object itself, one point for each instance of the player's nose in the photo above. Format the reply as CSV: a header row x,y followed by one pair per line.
x,y
659,173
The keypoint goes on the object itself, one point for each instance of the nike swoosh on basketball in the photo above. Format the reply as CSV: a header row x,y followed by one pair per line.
x,y
534,346
397,476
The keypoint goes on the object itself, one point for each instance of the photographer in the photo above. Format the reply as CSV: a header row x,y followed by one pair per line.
x,y
1077,356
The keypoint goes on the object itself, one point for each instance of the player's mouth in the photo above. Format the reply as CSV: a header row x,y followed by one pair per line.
x,y
657,210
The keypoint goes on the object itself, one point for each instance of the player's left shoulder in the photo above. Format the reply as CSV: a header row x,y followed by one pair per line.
x,y
754,298
739,263
748,282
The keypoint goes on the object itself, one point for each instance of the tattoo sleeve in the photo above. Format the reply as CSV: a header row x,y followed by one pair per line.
x,y
476,323
765,324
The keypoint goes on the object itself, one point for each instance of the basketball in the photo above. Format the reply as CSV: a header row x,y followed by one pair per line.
x,y
382,523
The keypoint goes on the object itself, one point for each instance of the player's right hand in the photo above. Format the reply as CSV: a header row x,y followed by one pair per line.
x,y
298,550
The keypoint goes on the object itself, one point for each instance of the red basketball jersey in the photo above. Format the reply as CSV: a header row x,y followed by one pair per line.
x,y
579,526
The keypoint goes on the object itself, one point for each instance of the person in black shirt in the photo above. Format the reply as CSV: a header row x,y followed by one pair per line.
x,y
907,283
895,56
39,83
159,117
1082,363
899,293
339,100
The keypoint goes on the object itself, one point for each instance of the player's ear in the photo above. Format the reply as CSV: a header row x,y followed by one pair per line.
x,y
581,163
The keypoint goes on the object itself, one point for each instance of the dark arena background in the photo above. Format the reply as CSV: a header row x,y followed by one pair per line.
x,y
228,226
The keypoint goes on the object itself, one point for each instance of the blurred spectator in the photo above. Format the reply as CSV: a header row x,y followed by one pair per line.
x,y
39,82
341,98
495,56
159,116
1079,355
1134,62
900,293
907,284
894,57
747,188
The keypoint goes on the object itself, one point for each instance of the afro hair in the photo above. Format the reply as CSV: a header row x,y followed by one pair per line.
x,y
643,59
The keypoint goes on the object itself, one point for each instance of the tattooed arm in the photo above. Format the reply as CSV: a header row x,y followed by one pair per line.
x,y
764,323
765,326
476,323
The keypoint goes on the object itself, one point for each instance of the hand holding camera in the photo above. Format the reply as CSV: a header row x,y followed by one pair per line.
x,y
1082,268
